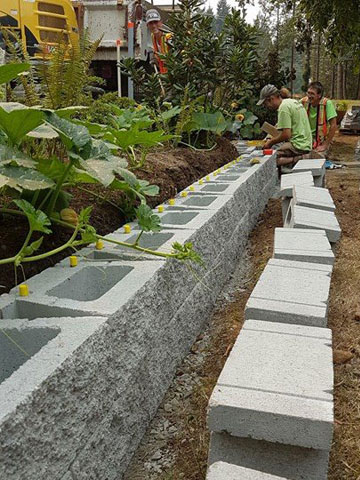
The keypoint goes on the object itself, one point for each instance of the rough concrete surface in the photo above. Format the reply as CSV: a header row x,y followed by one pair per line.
x,y
277,386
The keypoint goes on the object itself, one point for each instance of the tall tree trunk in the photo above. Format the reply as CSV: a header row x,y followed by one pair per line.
x,y
339,81
345,92
333,80
318,52
358,87
292,73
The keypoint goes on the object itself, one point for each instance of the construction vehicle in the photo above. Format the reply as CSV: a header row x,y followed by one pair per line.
x,y
40,24
117,22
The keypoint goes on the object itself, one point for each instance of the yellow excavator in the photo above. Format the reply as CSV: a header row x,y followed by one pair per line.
x,y
40,24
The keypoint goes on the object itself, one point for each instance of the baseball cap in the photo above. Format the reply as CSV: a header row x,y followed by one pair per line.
x,y
266,92
152,16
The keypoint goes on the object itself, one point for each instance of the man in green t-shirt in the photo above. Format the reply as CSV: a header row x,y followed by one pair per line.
x,y
293,123
322,117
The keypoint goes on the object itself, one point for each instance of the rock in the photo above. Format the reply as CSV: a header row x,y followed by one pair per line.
x,y
342,356
357,316
157,455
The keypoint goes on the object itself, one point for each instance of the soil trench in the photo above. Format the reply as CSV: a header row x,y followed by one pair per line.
x,y
176,443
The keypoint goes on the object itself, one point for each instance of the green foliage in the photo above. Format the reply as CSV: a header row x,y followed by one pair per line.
x,y
222,10
10,72
121,102
134,137
38,221
17,123
147,220
20,178
210,122
66,78
186,252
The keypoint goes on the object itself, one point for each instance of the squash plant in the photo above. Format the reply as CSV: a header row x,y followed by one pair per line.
x,y
37,184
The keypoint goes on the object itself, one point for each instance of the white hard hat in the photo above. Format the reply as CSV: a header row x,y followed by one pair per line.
x,y
153,16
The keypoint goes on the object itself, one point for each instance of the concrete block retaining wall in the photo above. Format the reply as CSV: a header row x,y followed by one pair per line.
x,y
271,412
105,338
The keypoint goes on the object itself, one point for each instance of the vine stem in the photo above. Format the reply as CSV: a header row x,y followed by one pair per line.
x,y
58,188
99,196
100,237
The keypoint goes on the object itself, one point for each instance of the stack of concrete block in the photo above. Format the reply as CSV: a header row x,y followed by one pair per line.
x,y
84,411
314,165
271,412
313,218
287,184
291,292
275,391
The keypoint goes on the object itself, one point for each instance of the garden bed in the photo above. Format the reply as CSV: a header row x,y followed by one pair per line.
x,y
172,170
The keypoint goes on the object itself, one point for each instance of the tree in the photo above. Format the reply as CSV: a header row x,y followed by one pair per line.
x,y
209,12
222,10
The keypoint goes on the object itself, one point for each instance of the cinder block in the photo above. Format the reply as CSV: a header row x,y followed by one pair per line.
x,y
155,241
48,401
227,471
303,245
312,218
276,386
285,461
187,218
201,201
289,180
98,289
316,166
291,292
313,197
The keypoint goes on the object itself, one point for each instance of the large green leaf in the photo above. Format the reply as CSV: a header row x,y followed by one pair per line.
x,y
76,138
38,220
147,220
11,156
17,123
43,131
136,137
51,167
146,189
168,114
127,119
212,122
102,170
11,71
21,178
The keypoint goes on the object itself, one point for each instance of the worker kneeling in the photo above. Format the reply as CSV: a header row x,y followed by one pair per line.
x,y
293,123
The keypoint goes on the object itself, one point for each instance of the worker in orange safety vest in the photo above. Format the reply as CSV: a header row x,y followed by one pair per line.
x,y
322,117
160,38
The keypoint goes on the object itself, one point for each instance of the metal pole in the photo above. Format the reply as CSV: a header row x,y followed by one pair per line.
x,y
118,66
130,55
